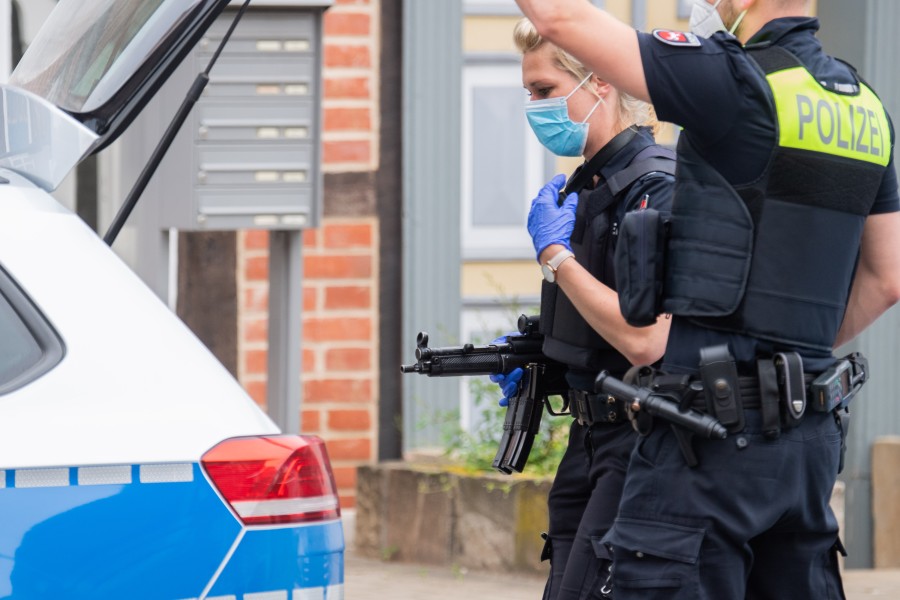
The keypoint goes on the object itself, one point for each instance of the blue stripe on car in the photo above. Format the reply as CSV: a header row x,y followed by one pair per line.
x,y
71,521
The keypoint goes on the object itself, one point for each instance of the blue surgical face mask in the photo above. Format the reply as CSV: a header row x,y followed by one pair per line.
x,y
549,119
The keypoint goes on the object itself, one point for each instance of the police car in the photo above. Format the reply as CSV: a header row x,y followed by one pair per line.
x,y
132,465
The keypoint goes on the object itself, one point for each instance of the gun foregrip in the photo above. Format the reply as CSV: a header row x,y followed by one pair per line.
x,y
468,364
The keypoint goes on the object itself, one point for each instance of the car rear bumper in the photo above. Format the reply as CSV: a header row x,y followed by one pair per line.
x,y
153,531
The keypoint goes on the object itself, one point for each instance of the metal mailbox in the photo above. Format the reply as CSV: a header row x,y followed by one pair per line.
x,y
249,154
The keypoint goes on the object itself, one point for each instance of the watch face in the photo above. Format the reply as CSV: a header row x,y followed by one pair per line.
x,y
549,273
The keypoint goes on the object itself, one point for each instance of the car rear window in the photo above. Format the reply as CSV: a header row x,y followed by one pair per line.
x,y
30,346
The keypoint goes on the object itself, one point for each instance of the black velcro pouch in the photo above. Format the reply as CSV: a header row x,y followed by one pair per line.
x,y
640,256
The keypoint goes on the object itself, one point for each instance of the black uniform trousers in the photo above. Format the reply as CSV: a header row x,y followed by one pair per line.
x,y
751,521
582,504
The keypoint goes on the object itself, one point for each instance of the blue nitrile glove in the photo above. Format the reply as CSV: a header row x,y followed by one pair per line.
x,y
549,223
509,384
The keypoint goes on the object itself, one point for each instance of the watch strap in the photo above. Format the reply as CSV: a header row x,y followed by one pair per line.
x,y
558,258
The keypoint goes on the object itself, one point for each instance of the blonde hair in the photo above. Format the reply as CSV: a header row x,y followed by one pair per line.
x,y
629,110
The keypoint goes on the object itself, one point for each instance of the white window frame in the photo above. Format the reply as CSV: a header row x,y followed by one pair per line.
x,y
504,242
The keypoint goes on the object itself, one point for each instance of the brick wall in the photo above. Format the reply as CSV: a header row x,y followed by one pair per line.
x,y
348,141
340,312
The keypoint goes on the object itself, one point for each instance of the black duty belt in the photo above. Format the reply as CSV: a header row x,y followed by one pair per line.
x,y
782,403
749,387
588,408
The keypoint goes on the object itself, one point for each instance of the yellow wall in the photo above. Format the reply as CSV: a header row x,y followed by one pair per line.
x,y
489,34
503,279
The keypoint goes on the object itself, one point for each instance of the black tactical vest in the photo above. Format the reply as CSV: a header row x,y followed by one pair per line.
x,y
775,259
568,337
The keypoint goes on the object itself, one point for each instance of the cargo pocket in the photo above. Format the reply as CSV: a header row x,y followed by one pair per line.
x,y
658,558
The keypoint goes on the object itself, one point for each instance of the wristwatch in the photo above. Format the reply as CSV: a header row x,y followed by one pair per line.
x,y
550,267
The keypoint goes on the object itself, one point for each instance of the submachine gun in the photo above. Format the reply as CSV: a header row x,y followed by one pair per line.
x,y
542,377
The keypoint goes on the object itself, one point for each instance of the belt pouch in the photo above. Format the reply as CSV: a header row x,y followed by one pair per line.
x,y
769,398
791,387
639,258
721,387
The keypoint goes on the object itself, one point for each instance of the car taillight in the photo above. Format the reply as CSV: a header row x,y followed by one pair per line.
x,y
274,479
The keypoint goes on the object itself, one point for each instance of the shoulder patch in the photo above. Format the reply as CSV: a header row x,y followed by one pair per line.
x,y
676,38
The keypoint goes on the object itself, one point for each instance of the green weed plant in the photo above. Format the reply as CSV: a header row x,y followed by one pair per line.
x,y
474,450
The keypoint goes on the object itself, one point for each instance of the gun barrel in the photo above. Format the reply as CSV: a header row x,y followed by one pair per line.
x,y
409,368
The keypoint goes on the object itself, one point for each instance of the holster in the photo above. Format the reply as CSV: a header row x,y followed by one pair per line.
x,y
721,387
782,392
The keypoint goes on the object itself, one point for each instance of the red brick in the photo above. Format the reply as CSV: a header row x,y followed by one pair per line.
x,y
256,298
336,23
349,296
310,295
347,119
358,449
337,390
256,330
255,362
337,329
256,268
345,477
310,238
338,267
309,420
257,391
347,87
348,359
348,235
347,501
347,56
309,361
346,151
256,239
349,420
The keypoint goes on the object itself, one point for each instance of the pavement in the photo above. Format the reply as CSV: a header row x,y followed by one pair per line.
x,y
372,579
369,579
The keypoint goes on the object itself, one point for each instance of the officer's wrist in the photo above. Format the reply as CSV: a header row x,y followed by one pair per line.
x,y
550,251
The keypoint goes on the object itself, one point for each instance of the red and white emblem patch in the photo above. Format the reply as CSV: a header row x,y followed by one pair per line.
x,y
676,38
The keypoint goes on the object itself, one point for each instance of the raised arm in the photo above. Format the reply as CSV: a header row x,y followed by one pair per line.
x,y
876,286
607,46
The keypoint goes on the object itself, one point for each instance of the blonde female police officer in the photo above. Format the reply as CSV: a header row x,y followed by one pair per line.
x,y
576,113
785,242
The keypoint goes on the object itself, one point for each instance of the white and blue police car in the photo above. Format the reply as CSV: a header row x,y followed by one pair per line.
x,y
132,465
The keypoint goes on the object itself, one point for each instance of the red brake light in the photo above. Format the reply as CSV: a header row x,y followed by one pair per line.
x,y
277,479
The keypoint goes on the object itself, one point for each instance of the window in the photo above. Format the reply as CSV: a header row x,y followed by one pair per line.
x,y
87,51
490,7
503,164
30,346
